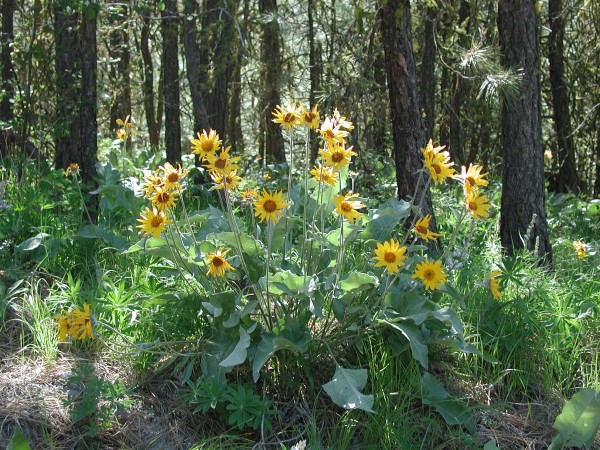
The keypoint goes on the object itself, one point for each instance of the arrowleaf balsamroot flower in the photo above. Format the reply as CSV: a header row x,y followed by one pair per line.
x,y
76,324
390,255
477,205
217,264
172,176
223,162
153,222
287,117
152,183
163,199
422,230
206,144
324,175
331,132
310,118
580,248
431,273
249,195
493,284
269,206
471,178
337,156
72,169
437,162
346,207
231,181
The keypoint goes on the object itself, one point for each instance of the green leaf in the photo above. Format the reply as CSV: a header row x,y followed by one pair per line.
x,y
32,243
413,334
289,283
385,219
579,421
249,245
293,337
491,445
345,389
96,232
453,412
240,352
18,441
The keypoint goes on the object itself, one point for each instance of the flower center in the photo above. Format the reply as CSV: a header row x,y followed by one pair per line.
x,y
472,206
337,157
217,261
289,117
346,207
429,274
421,229
207,146
173,177
220,163
270,206
156,221
163,197
470,180
328,134
390,257
309,117
437,168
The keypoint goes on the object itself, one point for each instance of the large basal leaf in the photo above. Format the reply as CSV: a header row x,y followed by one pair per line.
x,y
249,245
345,389
32,243
240,352
413,334
357,282
578,422
18,442
286,282
453,412
96,232
294,338
385,219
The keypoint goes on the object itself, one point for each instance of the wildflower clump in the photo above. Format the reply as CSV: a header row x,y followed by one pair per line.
x,y
76,324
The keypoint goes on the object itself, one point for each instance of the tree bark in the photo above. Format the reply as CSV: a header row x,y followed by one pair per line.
x,y
314,62
119,52
428,70
271,77
148,85
6,88
407,125
567,179
523,212
169,29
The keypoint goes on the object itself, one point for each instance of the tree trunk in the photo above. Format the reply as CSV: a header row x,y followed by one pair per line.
x,y
523,212
597,182
407,125
428,70
314,63
6,88
271,77
148,85
567,179
169,29
119,52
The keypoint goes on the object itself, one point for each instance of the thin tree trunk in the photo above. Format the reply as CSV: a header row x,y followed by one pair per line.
x,y
428,70
148,85
523,212
314,62
119,51
6,87
407,125
567,180
169,29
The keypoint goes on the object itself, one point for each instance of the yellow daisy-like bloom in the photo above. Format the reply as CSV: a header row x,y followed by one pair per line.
x,y
153,222
163,199
477,205
390,255
206,144
81,323
331,132
337,156
217,264
223,162
439,166
249,195
127,127
287,117
422,229
494,284
72,169
472,178
431,273
231,181
152,184
172,176
580,248
348,208
310,118
63,327
269,206
324,175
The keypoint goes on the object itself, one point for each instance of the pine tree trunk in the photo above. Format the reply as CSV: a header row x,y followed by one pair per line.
x,y
428,56
169,29
148,85
6,86
523,213
119,52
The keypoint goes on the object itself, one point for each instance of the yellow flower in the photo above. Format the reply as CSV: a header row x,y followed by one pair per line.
x,y
163,199
172,177
231,180
310,118
287,117
63,327
206,144
342,121
348,208
217,264
223,163
471,178
331,132
269,206
580,248
548,155
390,255
324,175
127,126
476,205
494,284
336,156
153,222
152,183
422,229
81,323
431,274
437,163
249,195
73,168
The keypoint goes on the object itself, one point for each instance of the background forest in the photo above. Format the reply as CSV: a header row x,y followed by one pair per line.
x,y
379,300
